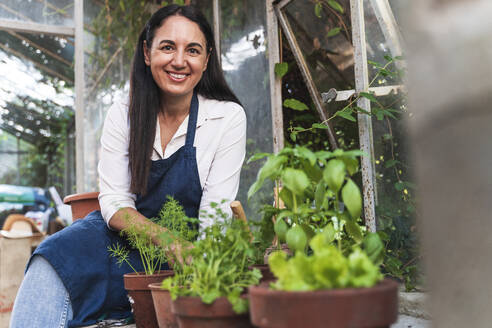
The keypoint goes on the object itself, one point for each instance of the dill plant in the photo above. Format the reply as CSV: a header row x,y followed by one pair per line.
x,y
178,228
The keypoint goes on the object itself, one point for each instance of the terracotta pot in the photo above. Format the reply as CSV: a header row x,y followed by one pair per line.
x,y
266,274
82,204
162,305
374,307
191,312
140,297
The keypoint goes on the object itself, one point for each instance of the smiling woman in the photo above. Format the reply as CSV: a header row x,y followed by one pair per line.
x,y
181,133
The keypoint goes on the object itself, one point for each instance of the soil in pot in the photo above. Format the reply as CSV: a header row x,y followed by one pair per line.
x,y
191,312
140,296
374,307
162,305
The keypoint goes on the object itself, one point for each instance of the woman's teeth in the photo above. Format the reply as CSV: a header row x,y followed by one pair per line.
x,y
177,76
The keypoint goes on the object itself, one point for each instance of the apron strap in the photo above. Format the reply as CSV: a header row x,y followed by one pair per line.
x,y
190,132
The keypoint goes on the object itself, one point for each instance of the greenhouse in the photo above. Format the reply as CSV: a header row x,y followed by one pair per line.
x,y
332,141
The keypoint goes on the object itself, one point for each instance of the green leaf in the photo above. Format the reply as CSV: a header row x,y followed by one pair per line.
x,y
374,247
269,170
295,180
286,196
296,239
388,58
281,69
351,163
308,154
334,31
257,156
335,5
352,199
346,114
360,110
369,96
317,9
293,136
320,126
319,194
329,232
373,63
334,174
295,104
280,229
353,230
277,261
390,114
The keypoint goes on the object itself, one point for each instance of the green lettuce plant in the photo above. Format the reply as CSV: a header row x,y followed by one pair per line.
x,y
327,267
217,264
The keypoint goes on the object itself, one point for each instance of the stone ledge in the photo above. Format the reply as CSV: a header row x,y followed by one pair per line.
x,y
413,304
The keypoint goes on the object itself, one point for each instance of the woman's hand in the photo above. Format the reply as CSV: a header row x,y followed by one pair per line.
x,y
177,250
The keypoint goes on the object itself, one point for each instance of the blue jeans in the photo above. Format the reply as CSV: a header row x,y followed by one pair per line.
x,y
42,300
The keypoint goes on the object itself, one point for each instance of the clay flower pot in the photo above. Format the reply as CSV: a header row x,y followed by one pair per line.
x,y
162,305
82,204
374,307
191,312
140,297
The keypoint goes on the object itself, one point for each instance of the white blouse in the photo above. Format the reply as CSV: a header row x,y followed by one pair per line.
x,y
220,142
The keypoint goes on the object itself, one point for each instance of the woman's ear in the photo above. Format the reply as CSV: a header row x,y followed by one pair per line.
x,y
146,53
206,62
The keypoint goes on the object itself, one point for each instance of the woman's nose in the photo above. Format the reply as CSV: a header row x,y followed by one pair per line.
x,y
179,59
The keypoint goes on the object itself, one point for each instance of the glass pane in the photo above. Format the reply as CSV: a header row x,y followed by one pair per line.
x,y
36,110
50,12
106,79
245,63
378,47
325,40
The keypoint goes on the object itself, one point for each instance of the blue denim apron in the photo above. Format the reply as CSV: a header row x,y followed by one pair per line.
x,y
79,252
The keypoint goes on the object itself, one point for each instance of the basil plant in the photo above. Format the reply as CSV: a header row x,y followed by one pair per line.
x,y
318,192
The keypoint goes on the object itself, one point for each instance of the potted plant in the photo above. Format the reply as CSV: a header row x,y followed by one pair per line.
x,y
326,288
153,256
321,224
317,191
181,230
209,291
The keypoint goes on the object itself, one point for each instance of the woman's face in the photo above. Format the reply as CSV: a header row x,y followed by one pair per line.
x,y
177,57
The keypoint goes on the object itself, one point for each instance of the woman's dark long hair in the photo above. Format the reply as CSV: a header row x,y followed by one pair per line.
x,y
145,94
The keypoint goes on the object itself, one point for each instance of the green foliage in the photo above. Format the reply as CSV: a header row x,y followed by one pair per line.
x,y
295,104
140,236
316,190
179,227
281,69
47,127
326,268
219,265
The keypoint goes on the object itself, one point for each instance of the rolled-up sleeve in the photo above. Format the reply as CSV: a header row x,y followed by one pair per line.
x,y
113,169
222,182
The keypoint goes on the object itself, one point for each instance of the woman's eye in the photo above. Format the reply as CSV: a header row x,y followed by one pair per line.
x,y
167,48
194,51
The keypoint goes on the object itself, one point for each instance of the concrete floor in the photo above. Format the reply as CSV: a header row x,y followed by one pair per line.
x,y
405,321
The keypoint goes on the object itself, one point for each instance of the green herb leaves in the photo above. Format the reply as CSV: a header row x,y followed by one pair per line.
x,y
325,268
219,265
